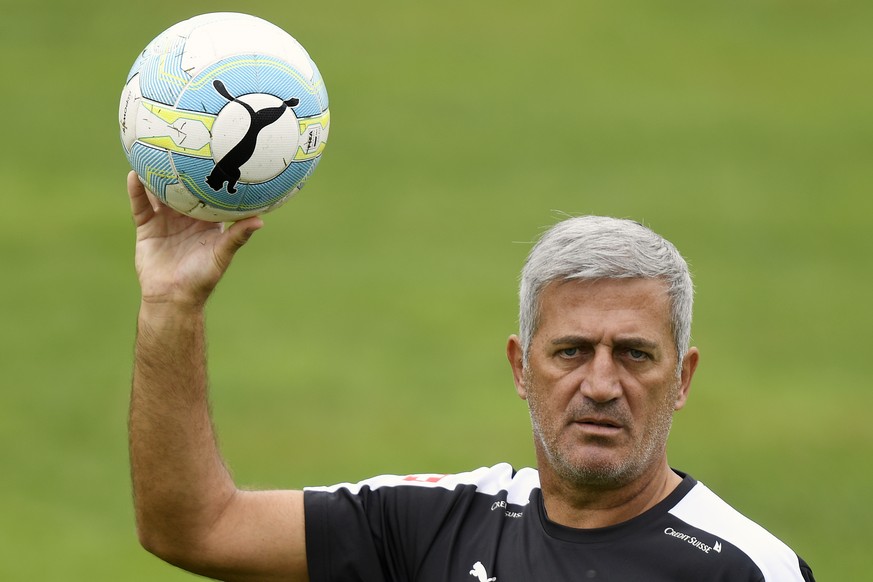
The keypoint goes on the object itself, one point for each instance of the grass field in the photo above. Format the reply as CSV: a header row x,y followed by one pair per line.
x,y
362,331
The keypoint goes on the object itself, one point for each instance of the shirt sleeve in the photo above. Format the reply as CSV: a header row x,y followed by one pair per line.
x,y
341,544
806,571
364,533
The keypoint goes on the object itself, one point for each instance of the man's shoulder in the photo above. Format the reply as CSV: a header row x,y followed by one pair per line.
x,y
702,509
500,479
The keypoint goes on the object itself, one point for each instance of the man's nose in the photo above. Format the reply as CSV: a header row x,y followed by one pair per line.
x,y
601,382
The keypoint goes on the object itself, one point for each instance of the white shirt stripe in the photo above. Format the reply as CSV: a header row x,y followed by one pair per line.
x,y
487,480
705,510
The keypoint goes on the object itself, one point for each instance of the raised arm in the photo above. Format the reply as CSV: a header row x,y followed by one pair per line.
x,y
189,512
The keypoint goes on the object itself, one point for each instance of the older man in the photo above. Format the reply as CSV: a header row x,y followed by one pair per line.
x,y
603,361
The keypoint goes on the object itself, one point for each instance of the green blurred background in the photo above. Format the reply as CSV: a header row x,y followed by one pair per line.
x,y
362,331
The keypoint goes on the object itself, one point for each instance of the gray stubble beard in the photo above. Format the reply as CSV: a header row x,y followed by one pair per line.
x,y
603,475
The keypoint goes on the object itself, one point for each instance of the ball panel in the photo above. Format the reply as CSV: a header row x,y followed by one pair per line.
x,y
162,78
232,34
313,136
179,198
276,143
128,111
174,130
318,86
248,196
154,167
253,73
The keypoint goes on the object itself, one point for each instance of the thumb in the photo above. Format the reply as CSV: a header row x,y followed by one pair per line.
x,y
235,237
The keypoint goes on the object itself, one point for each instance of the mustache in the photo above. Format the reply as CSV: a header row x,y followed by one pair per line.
x,y
613,412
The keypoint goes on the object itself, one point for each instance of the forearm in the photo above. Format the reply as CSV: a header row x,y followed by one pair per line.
x,y
180,483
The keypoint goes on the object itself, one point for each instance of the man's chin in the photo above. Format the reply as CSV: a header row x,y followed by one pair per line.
x,y
599,469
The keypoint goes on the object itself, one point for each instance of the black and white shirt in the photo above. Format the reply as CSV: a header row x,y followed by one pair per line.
x,y
490,525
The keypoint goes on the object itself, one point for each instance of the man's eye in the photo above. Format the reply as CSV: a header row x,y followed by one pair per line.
x,y
569,352
637,355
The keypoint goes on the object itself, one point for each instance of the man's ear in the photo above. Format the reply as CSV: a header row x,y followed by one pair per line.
x,y
515,355
689,365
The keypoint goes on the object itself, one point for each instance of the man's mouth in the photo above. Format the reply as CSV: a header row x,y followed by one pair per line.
x,y
600,421
599,425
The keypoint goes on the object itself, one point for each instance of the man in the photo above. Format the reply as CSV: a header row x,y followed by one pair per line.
x,y
603,361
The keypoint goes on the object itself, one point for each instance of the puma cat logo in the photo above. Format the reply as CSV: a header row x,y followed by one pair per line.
x,y
480,573
228,168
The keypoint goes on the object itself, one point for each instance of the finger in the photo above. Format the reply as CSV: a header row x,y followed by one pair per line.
x,y
235,237
140,204
241,231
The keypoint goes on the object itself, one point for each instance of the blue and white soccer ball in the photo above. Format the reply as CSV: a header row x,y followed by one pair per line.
x,y
224,116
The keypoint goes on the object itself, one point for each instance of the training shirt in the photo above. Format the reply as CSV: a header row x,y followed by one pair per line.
x,y
490,525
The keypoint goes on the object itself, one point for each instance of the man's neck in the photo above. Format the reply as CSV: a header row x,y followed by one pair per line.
x,y
592,507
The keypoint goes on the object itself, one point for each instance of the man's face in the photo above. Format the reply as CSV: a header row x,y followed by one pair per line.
x,y
601,380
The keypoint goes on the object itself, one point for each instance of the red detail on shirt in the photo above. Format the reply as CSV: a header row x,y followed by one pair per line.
x,y
424,478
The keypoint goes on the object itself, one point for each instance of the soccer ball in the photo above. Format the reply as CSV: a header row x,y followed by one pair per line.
x,y
224,116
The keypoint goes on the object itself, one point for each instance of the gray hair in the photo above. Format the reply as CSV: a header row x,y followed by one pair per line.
x,y
597,247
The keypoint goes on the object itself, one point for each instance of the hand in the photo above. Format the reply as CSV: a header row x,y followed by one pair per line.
x,y
180,259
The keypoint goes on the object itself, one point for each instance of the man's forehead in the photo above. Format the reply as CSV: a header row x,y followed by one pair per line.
x,y
641,288
627,305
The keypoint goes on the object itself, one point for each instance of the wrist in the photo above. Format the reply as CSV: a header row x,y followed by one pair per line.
x,y
158,312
